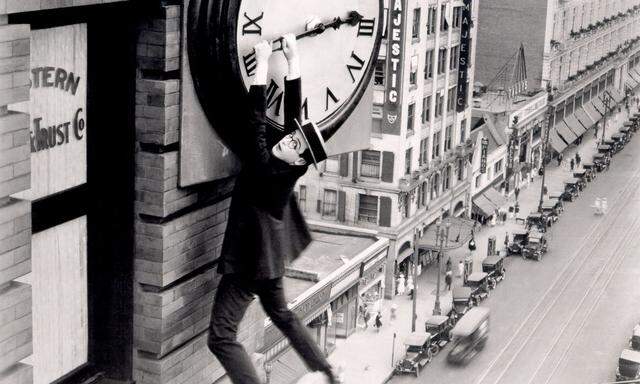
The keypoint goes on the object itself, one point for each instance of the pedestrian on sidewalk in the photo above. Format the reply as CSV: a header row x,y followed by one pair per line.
x,y
595,131
378,322
572,164
559,159
447,280
545,190
578,158
400,286
460,269
448,264
367,317
517,192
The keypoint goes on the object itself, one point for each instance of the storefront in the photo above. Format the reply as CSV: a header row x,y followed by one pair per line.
x,y
371,284
345,312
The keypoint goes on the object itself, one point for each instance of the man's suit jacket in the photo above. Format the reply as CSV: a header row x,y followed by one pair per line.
x,y
265,229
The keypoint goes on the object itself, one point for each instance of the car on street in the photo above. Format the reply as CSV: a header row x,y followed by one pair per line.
x,y
417,355
439,327
469,335
519,240
628,366
634,342
462,300
536,246
479,284
494,267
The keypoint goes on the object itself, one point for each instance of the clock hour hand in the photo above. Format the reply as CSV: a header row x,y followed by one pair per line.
x,y
353,19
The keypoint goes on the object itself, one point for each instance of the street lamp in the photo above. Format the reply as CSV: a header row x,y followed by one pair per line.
x,y
415,279
443,236
607,102
545,145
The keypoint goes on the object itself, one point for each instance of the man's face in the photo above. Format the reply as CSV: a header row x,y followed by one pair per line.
x,y
290,147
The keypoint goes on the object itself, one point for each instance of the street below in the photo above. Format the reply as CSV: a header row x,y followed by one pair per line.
x,y
567,318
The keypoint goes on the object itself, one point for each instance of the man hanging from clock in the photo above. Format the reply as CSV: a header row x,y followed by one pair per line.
x,y
265,228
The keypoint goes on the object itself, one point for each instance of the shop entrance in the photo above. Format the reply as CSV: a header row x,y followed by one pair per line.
x,y
82,192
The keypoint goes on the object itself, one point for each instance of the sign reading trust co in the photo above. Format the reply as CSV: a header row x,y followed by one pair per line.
x,y
58,109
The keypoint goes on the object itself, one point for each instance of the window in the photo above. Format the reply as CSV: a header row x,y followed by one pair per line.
x,y
446,178
457,17
376,126
435,151
463,131
447,137
439,102
426,109
413,75
370,164
302,198
424,145
407,161
537,131
460,169
497,167
368,209
451,99
478,179
431,20
428,64
378,76
415,32
444,25
411,111
425,193
435,186
332,164
442,60
329,203
455,57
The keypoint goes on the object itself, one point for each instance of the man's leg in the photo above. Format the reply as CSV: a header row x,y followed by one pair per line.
x,y
272,299
229,307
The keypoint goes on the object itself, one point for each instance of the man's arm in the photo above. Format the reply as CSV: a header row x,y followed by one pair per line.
x,y
292,87
258,106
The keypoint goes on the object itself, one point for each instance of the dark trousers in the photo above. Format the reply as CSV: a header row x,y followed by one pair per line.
x,y
233,297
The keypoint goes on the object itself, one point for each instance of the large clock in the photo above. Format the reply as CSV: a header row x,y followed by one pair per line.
x,y
337,57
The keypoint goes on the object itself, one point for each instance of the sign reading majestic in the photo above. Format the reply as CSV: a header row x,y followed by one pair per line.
x,y
483,154
58,110
463,63
395,61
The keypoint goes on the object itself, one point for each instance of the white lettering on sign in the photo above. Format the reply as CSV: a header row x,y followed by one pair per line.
x,y
394,67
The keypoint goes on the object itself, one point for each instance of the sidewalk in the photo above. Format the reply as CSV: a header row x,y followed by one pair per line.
x,y
367,354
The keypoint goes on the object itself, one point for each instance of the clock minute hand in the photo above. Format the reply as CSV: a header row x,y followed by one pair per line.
x,y
353,19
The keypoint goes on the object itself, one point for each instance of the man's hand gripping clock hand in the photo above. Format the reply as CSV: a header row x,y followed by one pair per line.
x,y
263,52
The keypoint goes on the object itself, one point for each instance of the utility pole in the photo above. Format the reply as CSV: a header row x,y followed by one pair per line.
x,y
607,101
545,145
441,234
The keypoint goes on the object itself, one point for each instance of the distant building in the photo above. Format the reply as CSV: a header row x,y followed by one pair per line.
x,y
415,170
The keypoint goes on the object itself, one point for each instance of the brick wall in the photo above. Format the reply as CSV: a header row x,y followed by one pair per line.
x,y
178,231
15,214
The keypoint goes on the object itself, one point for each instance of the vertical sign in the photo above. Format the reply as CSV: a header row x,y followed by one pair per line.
x,y
58,108
483,155
395,56
463,61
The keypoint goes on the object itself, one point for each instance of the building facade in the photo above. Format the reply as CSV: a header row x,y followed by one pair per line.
x,y
415,170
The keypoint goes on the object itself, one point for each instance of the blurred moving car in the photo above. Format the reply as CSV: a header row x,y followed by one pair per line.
x,y
469,335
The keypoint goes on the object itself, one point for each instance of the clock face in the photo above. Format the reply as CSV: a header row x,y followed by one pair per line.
x,y
335,65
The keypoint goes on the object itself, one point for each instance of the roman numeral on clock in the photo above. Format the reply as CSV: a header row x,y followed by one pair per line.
x,y
252,26
305,109
359,64
365,27
331,96
274,98
250,63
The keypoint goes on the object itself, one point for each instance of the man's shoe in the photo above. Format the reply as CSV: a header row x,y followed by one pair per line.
x,y
335,376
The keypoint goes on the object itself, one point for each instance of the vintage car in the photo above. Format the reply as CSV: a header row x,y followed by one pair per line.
x,y
626,130
620,138
605,149
571,190
439,327
592,169
536,246
417,355
582,176
602,161
615,146
519,240
634,341
575,181
540,221
462,300
628,366
552,208
479,284
469,335
494,267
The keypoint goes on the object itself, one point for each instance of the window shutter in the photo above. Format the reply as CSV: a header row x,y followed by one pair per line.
x,y
319,206
342,199
344,164
387,167
384,218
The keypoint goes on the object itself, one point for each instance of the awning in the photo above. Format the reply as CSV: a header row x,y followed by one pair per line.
x,y
574,125
635,75
495,197
404,254
483,206
584,118
565,132
556,142
597,102
592,111
630,81
460,232
617,96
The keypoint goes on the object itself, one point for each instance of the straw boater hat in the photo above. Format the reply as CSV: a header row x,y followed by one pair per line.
x,y
314,140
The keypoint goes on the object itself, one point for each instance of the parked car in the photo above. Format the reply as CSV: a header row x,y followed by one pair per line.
x,y
439,327
519,240
479,284
494,267
536,246
571,190
615,146
539,221
582,176
591,169
605,149
602,161
469,335
628,366
552,208
462,300
417,355
634,342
